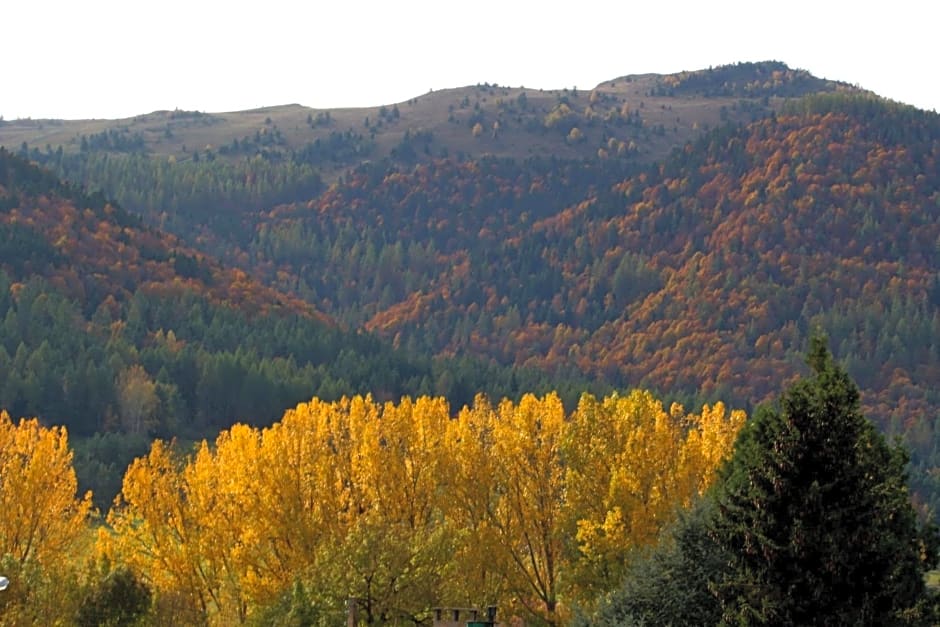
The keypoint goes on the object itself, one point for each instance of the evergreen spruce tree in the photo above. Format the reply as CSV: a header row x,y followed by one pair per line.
x,y
815,518
669,586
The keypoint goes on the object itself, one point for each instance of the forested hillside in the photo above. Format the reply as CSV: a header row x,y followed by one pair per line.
x,y
698,275
120,332
685,275
683,234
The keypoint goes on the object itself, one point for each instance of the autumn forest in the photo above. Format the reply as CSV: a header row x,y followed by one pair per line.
x,y
660,352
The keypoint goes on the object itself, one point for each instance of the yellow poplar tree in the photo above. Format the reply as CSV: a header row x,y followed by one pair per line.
x,y
44,531
156,532
630,467
41,517
397,553
222,496
509,491
137,399
528,444
470,505
405,508
305,493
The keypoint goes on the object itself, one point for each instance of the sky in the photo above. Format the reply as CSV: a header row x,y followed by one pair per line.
x,y
76,59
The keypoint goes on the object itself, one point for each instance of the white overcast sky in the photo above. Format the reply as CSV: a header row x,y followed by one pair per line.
x,y
109,58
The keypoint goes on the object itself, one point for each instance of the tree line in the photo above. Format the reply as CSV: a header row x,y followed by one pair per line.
x,y
404,506
620,512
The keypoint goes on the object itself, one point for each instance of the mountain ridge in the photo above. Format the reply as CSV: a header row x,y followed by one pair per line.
x,y
666,110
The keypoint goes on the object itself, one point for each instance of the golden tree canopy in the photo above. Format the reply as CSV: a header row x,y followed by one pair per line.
x,y
41,518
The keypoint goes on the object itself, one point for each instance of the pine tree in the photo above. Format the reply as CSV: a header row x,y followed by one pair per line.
x,y
814,514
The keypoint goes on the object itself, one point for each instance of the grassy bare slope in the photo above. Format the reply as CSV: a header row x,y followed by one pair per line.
x,y
642,116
